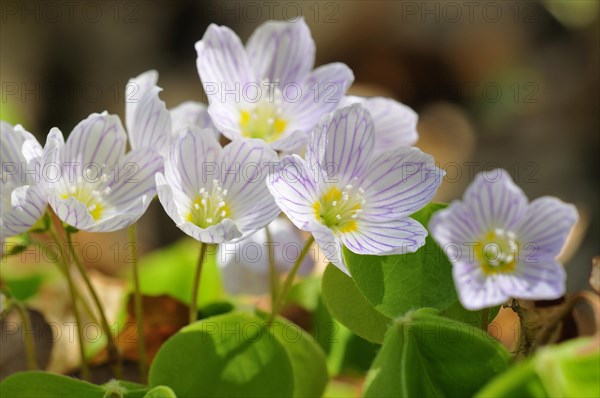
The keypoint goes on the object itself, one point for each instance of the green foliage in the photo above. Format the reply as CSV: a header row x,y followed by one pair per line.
x,y
170,271
570,369
160,392
306,357
457,312
400,283
238,355
347,304
25,287
426,355
49,385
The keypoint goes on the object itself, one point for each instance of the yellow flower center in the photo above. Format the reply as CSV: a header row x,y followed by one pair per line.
x,y
263,119
339,209
497,252
91,190
209,206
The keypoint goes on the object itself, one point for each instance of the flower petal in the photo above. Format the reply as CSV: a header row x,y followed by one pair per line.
x,y
194,159
329,244
193,113
395,123
319,94
136,88
225,231
123,217
292,141
294,189
392,237
100,139
454,226
18,145
535,279
496,201
71,211
475,290
546,224
341,145
224,70
28,205
171,198
244,170
136,178
282,51
148,120
399,182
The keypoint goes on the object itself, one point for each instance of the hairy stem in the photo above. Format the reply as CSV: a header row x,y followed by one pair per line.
x,y
29,346
289,280
113,352
196,285
85,370
138,306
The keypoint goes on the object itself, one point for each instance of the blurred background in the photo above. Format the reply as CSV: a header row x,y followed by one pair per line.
x,y
496,83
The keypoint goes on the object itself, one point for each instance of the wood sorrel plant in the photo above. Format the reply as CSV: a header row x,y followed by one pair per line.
x,y
410,288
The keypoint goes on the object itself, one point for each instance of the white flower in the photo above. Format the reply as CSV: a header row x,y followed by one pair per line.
x,y
500,245
268,90
146,116
190,113
93,185
345,194
149,123
216,194
395,124
24,198
245,265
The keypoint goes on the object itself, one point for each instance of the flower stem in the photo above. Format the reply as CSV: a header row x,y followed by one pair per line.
x,y
272,269
287,284
26,324
138,306
64,269
196,285
113,352
85,370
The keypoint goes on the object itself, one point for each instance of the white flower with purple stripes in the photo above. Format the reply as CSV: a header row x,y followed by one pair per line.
x,y
93,185
343,194
500,245
216,194
149,123
146,116
268,90
24,198
395,123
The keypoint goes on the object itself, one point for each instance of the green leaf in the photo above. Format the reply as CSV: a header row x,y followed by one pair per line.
x,y
347,304
458,313
47,385
306,293
25,287
400,283
426,355
231,355
160,392
171,270
397,284
308,360
570,369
